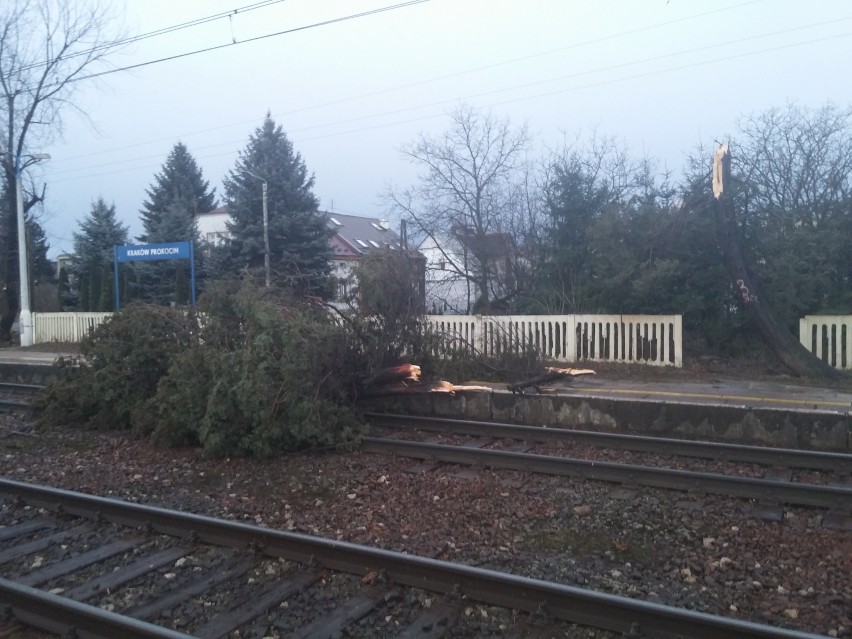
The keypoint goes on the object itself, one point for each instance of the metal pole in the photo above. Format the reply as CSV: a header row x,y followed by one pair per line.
x,y
192,269
116,282
265,235
25,321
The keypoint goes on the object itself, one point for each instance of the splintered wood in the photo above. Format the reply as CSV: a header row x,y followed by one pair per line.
x,y
405,380
402,374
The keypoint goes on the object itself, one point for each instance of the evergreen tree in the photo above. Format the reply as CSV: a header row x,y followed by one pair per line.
x,y
41,269
577,195
298,235
179,193
94,246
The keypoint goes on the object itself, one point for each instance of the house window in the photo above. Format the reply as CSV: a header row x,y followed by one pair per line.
x,y
362,243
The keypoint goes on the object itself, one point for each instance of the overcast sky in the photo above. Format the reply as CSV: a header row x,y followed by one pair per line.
x,y
661,75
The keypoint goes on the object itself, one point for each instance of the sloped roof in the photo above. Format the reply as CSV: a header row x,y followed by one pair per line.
x,y
354,236
222,210
357,235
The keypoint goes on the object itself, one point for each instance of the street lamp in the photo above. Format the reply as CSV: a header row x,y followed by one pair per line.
x,y
25,321
265,228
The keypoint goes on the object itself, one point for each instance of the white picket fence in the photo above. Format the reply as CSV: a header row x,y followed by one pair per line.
x,y
829,337
642,339
646,339
64,327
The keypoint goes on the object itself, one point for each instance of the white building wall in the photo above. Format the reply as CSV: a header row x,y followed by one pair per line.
x,y
212,227
447,289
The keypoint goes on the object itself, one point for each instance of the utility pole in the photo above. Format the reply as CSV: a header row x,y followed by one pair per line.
x,y
25,319
266,267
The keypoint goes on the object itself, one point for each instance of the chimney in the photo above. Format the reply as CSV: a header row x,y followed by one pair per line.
x,y
384,224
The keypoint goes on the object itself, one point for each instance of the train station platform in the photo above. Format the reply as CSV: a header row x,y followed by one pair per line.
x,y
19,355
718,392
29,365
760,411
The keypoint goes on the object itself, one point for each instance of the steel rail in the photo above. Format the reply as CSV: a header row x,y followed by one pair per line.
x,y
11,404
788,457
600,610
835,498
21,388
59,615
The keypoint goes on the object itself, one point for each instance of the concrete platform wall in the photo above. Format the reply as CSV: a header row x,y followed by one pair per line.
x,y
813,430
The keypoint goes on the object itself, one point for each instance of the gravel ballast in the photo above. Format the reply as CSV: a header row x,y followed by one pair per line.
x,y
709,554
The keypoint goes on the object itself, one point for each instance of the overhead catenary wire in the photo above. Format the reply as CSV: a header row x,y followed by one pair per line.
x,y
435,79
442,103
162,31
314,25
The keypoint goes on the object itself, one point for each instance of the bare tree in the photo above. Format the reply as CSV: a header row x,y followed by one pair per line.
x,y
46,46
798,164
470,201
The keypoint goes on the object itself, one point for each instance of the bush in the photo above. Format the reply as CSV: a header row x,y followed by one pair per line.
x,y
284,382
120,366
256,372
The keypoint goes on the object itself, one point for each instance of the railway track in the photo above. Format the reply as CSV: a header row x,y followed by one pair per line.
x,y
790,458
16,397
26,389
96,567
835,498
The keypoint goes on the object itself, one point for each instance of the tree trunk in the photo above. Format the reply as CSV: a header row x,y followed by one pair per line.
x,y
10,249
780,341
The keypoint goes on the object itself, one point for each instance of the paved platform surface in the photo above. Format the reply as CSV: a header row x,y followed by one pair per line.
x,y
17,355
714,392
717,392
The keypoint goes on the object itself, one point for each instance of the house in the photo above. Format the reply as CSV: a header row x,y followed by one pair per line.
x,y
454,269
448,285
212,225
354,238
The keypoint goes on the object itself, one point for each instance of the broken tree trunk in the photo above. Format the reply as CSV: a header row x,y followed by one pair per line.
x,y
402,374
778,338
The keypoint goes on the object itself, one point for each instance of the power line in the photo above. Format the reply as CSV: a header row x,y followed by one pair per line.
x,y
455,100
323,23
539,83
450,75
162,31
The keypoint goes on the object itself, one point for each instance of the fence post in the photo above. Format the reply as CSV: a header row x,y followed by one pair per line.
x,y
678,340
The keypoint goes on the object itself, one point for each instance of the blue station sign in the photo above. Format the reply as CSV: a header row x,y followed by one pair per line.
x,y
150,252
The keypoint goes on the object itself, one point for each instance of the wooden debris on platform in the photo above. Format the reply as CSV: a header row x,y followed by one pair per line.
x,y
550,374
405,380
403,374
452,389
